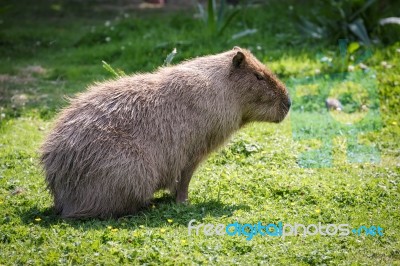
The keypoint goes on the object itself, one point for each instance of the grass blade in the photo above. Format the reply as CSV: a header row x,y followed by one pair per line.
x,y
169,58
228,21
211,16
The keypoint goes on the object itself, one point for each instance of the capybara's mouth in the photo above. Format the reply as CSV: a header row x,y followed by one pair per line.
x,y
279,119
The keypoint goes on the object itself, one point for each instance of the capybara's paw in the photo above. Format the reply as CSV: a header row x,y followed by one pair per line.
x,y
183,201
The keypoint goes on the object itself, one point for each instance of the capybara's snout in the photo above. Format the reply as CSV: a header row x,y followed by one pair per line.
x,y
288,102
284,107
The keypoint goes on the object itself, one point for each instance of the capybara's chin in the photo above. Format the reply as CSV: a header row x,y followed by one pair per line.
x,y
122,140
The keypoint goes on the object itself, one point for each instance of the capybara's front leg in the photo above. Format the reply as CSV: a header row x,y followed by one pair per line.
x,y
183,185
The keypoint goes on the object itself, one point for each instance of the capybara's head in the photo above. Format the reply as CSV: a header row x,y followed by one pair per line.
x,y
262,95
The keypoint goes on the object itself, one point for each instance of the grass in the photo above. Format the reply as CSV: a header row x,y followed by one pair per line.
x,y
295,172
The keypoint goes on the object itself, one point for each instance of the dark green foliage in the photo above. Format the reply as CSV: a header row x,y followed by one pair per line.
x,y
215,18
357,20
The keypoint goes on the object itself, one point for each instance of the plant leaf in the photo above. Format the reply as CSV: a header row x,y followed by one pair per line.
x,y
358,29
228,21
169,58
311,29
202,12
353,47
391,20
221,10
243,33
117,73
362,9
211,16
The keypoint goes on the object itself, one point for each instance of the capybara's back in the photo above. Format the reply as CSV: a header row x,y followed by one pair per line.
x,y
122,140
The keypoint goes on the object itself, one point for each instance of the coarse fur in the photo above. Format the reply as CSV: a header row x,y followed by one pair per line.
x,y
122,140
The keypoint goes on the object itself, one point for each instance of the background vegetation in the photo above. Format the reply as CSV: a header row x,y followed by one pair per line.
x,y
317,166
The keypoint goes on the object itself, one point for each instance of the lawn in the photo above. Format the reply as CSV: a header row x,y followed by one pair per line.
x,y
315,167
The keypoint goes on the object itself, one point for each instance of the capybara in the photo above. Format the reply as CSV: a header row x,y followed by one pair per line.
x,y
124,139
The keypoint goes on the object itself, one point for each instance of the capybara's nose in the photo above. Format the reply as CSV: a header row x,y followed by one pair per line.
x,y
289,102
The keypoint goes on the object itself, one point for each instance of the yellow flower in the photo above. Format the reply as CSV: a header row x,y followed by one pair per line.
x,y
1,202
394,123
135,234
114,230
38,219
183,242
317,210
162,230
109,227
170,220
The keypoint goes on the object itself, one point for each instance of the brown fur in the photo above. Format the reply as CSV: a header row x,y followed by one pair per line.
x,y
122,140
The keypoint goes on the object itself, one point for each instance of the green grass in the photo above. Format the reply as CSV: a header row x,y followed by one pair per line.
x,y
263,173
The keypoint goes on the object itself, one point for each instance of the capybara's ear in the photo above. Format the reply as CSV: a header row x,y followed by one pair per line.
x,y
238,59
237,48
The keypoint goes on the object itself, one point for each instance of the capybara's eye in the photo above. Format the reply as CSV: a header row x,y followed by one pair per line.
x,y
259,76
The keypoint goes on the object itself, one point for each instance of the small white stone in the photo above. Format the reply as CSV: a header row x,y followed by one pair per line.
x,y
363,66
326,59
364,108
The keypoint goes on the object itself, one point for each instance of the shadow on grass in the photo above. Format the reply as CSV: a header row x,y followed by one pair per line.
x,y
159,214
